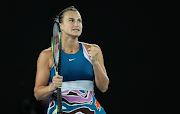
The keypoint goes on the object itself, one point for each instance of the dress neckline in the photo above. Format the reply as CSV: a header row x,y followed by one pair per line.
x,y
80,47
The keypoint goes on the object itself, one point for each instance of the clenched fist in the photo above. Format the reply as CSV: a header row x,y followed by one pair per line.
x,y
57,82
93,53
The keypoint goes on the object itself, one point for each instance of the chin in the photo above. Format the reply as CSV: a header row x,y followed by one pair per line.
x,y
76,35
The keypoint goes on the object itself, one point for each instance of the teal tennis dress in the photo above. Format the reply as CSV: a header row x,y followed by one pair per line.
x,y
78,85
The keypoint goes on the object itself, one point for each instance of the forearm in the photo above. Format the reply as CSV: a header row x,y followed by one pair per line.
x,y
101,78
43,92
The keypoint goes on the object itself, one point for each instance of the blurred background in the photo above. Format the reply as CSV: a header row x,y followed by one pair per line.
x,y
136,38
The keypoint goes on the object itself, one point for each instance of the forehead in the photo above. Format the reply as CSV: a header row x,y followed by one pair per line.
x,y
72,14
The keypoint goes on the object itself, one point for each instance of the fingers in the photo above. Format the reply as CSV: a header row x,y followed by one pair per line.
x,y
57,81
93,52
93,49
58,77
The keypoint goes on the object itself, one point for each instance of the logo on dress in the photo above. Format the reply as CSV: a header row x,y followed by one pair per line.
x,y
72,59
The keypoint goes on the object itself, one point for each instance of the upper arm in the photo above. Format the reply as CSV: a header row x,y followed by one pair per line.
x,y
43,71
100,55
101,59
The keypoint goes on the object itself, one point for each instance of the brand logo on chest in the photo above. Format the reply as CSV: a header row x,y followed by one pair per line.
x,y
72,59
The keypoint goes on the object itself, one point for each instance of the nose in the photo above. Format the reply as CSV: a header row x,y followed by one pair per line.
x,y
76,24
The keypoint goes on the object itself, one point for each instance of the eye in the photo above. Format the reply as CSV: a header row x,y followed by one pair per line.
x,y
79,20
71,20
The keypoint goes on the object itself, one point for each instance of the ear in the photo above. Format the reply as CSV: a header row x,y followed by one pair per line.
x,y
60,24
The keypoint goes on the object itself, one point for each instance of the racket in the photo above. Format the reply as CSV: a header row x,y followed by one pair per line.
x,y
56,51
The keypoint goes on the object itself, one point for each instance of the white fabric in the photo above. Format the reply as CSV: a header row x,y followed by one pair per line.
x,y
78,85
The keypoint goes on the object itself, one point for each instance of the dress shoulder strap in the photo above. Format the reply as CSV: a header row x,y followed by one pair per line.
x,y
85,52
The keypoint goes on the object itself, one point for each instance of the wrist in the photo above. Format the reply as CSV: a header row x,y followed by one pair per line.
x,y
95,63
51,90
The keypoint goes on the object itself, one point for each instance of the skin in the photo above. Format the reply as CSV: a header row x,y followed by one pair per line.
x,y
71,28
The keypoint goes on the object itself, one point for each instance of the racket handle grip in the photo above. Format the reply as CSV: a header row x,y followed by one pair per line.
x,y
59,101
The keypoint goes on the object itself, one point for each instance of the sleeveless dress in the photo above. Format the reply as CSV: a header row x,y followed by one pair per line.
x,y
78,85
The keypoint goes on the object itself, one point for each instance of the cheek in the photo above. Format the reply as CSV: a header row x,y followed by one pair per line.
x,y
67,27
81,26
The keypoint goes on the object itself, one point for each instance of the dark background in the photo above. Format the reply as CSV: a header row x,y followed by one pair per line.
x,y
136,38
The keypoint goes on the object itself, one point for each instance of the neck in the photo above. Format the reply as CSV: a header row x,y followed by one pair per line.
x,y
69,44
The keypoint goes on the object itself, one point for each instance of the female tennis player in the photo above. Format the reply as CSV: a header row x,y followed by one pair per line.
x,y
82,65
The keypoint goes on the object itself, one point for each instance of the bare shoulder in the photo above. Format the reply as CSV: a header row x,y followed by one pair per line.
x,y
45,54
87,45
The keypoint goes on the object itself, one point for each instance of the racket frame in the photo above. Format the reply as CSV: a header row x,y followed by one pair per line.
x,y
57,66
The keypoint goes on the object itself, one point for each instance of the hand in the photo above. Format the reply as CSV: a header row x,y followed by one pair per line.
x,y
93,54
57,82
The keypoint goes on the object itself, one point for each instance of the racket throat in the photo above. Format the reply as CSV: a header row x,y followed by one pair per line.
x,y
56,70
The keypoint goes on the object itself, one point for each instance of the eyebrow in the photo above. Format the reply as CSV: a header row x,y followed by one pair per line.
x,y
78,18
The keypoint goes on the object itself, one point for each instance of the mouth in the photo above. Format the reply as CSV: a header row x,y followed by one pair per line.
x,y
76,30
